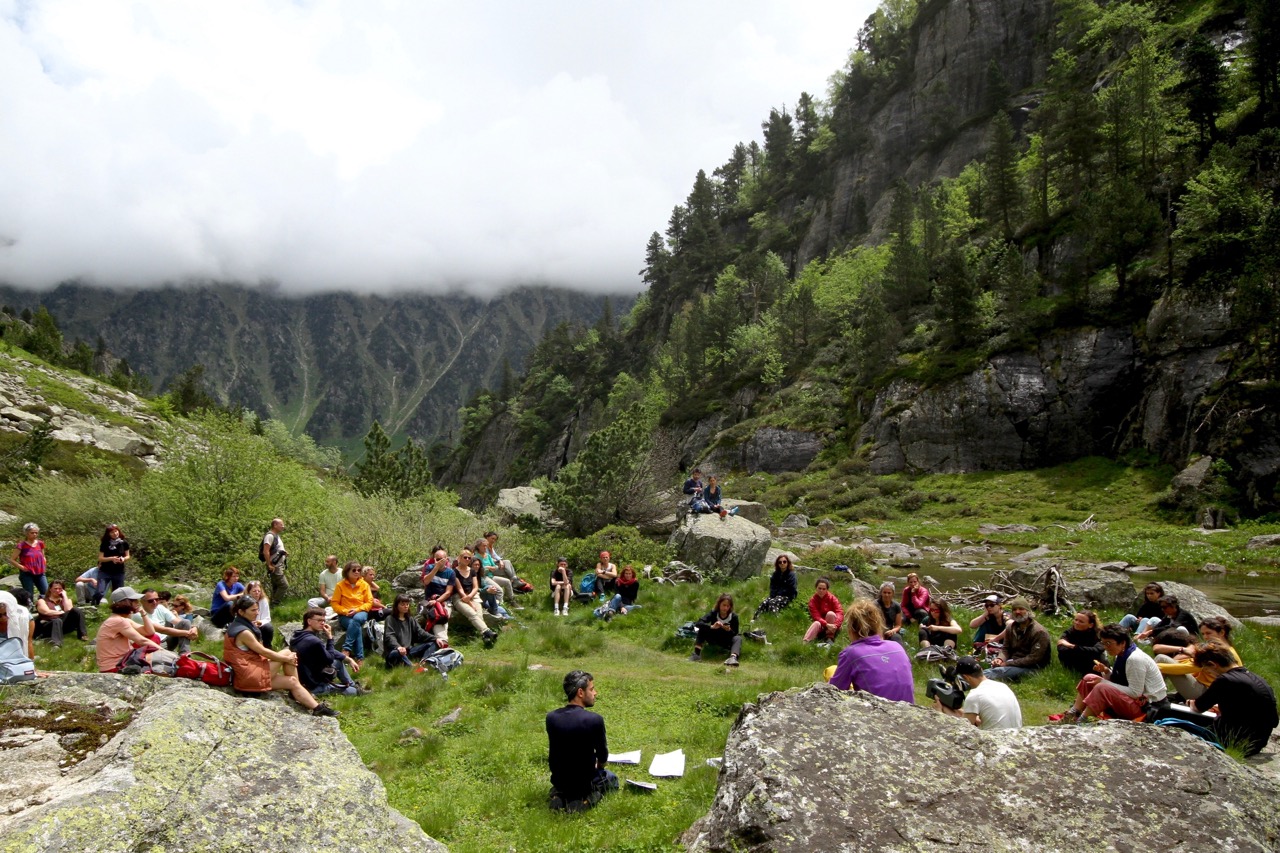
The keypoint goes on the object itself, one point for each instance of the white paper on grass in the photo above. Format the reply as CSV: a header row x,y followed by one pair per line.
x,y
668,764
643,786
624,757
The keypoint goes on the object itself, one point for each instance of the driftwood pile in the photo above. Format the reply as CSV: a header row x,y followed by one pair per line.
x,y
1047,593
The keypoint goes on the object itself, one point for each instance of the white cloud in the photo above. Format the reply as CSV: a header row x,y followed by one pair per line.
x,y
372,145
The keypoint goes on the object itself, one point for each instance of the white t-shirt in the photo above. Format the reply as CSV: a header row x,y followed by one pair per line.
x,y
273,542
995,705
329,581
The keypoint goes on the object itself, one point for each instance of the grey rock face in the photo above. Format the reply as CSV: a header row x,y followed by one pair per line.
x,y
795,519
752,511
771,450
1022,410
1196,603
731,545
522,500
1086,586
410,578
219,773
820,769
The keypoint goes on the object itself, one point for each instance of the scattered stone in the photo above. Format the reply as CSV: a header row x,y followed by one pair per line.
x,y
1085,586
1267,540
449,718
1214,568
411,734
1196,602
750,510
521,501
1195,543
1141,570
410,578
1252,575
822,769
1033,554
538,666
1114,566
794,520
1267,621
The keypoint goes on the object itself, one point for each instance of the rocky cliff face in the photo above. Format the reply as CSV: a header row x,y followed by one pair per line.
x,y
328,364
934,124
1165,388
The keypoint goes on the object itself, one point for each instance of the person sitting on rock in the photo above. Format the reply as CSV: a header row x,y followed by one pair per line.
x,y
915,601
1174,631
988,624
1147,610
403,640
578,748
176,633
1246,704
561,587
503,568
466,598
1080,647
437,582
378,611
628,588
255,591
256,668
826,612
891,613
606,575
495,574
1027,645
56,615
870,662
1123,690
89,588
118,635
711,494
782,587
694,489
228,590
352,600
989,705
322,668
719,628
1188,679
939,629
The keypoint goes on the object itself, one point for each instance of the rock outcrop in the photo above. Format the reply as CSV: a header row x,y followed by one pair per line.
x,y
821,769
1196,602
731,546
512,504
769,449
195,769
1086,586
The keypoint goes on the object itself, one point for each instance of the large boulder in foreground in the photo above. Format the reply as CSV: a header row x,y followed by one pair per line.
x,y
730,545
820,769
195,769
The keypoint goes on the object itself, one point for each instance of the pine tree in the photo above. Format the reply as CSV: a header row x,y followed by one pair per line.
x,y
1202,65
379,469
1004,190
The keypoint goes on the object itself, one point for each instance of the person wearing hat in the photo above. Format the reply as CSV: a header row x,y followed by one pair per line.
x,y
561,587
988,704
988,624
118,634
1027,645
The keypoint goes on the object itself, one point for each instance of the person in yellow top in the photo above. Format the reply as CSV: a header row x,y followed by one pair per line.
x,y
1188,679
352,600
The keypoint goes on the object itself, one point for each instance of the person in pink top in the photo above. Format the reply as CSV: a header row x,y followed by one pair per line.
x,y
826,612
915,600
118,634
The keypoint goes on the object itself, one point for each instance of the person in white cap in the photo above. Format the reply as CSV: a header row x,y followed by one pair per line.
x,y
990,623
118,634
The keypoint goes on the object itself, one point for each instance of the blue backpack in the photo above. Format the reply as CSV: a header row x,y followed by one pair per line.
x,y
15,666
587,583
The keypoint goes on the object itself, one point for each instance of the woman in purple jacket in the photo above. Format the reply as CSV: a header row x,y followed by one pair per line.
x,y
870,662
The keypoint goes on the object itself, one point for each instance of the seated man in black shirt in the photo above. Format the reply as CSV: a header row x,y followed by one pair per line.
x,y
578,748
1246,703
1174,632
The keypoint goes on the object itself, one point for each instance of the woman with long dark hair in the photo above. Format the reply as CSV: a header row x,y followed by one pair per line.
x,y
403,640
113,553
782,587
256,668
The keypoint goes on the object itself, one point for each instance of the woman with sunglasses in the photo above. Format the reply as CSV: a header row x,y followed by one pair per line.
x,y
782,587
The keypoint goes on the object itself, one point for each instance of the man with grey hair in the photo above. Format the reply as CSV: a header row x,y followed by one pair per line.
x,y
1027,646
578,749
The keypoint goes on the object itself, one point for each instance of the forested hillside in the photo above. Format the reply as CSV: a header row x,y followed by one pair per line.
x,y
327,364
1010,233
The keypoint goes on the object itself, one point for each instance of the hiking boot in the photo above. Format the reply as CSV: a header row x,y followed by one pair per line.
x,y
363,689
131,669
323,710
695,657
731,661
556,803
489,637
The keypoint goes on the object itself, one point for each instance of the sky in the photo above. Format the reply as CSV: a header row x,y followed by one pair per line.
x,y
379,145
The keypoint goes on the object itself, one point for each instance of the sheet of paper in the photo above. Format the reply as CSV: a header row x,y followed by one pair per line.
x,y
624,757
643,786
668,764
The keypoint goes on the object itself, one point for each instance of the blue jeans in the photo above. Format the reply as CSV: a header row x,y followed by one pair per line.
x,y
354,626
1008,674
32,582
615,604
414,653
343,684
1136,625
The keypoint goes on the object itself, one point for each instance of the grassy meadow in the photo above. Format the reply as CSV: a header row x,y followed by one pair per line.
x,y
480,783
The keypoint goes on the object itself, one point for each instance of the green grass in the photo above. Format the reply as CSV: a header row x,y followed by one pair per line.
x,y
1123,499
481,783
